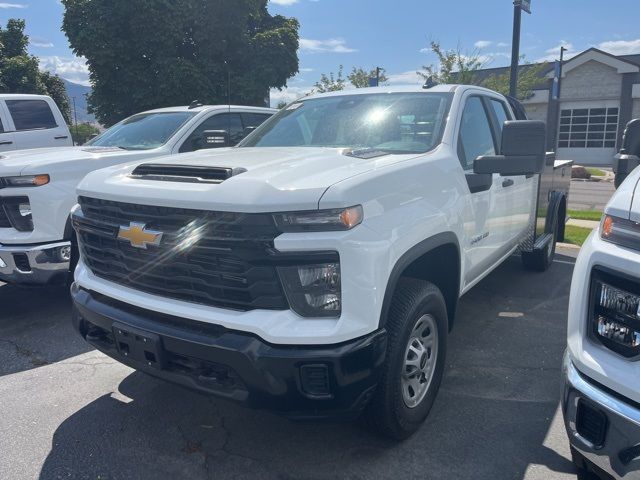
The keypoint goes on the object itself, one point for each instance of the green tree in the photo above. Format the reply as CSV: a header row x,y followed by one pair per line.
x,y
332,82
83,132
151,53
19,72
453,66
359,77
281,104
529,77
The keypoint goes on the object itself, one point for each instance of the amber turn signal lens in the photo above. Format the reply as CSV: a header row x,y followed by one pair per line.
x,y
607,226
40,180
350,217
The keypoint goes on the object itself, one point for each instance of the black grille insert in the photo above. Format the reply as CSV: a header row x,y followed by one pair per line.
x,y
220,259
182,173
591,423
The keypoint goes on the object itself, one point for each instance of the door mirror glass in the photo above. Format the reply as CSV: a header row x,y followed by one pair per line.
x,y
215,139
522,151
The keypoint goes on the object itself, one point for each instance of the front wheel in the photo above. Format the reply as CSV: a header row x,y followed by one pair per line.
x,y
416,350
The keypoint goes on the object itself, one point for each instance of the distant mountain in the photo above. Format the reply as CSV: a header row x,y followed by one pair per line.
x,y
79,92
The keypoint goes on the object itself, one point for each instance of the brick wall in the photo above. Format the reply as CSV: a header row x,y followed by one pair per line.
x,y
592,80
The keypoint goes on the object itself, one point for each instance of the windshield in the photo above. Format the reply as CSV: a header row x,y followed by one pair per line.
x,y
142,132
394,123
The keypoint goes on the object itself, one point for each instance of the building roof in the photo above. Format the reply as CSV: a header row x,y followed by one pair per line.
x,y
547,72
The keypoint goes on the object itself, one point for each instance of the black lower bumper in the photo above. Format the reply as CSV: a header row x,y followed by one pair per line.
x,y
296,381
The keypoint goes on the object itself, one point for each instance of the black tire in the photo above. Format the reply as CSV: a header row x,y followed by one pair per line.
x,y
388,413
541,259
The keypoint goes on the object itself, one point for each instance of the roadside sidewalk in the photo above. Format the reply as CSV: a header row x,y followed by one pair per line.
x,y
591,224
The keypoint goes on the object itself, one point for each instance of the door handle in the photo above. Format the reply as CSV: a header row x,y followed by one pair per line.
x,y
507,183
61,137
6,142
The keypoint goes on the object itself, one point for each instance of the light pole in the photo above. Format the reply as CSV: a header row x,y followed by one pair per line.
x,y
518,7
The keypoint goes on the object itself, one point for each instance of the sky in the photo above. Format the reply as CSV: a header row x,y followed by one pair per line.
x,y
391,34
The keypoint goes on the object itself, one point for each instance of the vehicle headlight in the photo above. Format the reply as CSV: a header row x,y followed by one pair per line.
x,y
320,220
620,231
24,181
616,313
313,290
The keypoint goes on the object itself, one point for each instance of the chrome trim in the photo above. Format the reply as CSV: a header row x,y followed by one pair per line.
x,y
623,429
46,264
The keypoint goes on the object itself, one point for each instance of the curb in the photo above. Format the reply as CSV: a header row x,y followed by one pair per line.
x,y
570,246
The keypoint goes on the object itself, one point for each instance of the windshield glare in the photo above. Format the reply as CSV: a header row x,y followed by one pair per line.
x,y
142,132
394,123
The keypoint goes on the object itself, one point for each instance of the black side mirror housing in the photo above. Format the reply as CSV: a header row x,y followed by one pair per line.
x,y
215,139
631,138
522,151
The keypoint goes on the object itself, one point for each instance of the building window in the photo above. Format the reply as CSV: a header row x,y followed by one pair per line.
x,y
588,128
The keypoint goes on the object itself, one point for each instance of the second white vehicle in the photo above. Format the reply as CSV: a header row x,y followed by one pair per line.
x,y
37,187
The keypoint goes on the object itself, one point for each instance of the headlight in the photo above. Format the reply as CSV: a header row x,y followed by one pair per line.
x,y
620,231
320,220
313,290
615,318
24,181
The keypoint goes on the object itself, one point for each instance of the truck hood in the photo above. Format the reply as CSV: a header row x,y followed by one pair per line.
x,y
625,202
47,160
629,183
271,179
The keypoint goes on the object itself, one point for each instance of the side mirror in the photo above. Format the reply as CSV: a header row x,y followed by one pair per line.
x,y
631,138
522,151
247,131
215,138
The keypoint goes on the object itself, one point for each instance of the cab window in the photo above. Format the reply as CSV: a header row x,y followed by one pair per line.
x,y
475,138
502,115
31,114
230,122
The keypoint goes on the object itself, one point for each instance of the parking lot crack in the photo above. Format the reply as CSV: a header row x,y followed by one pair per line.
x,y
35,360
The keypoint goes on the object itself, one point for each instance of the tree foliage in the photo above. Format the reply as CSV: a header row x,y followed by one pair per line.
x,y
151,53
529,77
359,77
332,82
453,65
82,133
19,72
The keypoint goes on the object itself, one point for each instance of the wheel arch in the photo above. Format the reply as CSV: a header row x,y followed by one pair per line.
x,y
557,214
429,260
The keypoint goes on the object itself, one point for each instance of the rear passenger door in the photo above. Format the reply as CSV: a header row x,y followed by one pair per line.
x,y
35,125
7,140
518,191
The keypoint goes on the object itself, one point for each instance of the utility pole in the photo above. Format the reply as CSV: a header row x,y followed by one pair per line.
x,y
75,120
377,76
518,7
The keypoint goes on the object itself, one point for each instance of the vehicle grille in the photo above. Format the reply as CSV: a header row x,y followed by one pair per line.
x,y
220,259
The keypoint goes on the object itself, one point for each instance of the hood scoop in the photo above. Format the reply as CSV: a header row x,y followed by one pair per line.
x,y
184,173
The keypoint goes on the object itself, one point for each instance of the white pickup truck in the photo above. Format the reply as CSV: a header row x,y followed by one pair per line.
x,y
37,187
601,401
31,121
315,269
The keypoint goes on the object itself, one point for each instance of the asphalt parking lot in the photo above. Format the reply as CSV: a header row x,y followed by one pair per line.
x,y
67,411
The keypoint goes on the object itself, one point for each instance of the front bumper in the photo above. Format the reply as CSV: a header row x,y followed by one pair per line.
x,y
589,408
296,381
33,264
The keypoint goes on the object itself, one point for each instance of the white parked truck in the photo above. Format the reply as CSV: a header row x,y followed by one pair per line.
x,y
315,269
601,401
31,121
37,187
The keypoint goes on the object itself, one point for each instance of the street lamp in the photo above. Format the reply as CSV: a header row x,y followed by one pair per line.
x,y
518,7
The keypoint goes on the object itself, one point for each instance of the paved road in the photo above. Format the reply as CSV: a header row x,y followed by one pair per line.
x,y
69,412
590,195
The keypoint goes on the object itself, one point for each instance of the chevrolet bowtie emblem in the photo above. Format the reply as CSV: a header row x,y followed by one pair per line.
x,y
138,236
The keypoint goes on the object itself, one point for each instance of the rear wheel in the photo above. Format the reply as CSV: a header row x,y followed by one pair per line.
x,y
416,349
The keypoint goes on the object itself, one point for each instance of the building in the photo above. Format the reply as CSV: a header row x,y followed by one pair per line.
x,y
599,94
